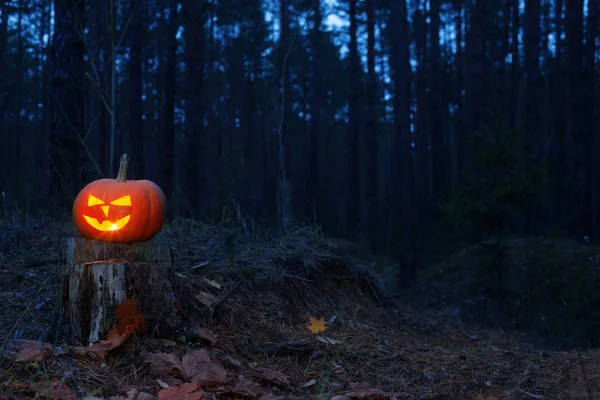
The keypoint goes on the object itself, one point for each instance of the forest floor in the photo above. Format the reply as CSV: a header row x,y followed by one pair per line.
x,y
299,317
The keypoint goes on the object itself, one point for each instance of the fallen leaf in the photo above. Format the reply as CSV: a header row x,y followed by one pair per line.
x,y
144,396
243,387
17,385
271,376
203,334
163,364
181,312
127,388
134,394
130,317
327,340
200,265
196,366
130,321
212,283
340,372
187,391
206,298
316,325
271,396
369,393
310,383
32,350
62,391
113,340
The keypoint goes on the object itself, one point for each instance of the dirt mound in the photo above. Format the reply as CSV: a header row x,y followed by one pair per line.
x,y
293,317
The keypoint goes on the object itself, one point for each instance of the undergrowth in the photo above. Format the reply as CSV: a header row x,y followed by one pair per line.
x,y
549,289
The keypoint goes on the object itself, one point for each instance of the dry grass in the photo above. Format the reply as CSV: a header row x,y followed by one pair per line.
x,y
270,288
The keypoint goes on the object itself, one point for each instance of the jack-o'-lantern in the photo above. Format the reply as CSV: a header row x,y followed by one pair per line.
x,y
118,210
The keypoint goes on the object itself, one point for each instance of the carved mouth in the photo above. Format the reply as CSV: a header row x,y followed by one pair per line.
x,y
106,225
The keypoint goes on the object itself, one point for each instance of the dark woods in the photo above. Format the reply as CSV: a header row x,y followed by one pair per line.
x,y
409,122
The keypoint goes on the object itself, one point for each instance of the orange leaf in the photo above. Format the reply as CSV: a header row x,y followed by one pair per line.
x,y
113,340
196,366
316,325
271,376
130,318
203,334
187,391
32,350
62,391
243,387
199,366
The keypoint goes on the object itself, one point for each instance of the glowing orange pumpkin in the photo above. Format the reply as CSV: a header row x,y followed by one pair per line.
x,y
118,210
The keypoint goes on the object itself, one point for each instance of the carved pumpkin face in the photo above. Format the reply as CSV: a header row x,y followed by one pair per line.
x,y
108,224
116,210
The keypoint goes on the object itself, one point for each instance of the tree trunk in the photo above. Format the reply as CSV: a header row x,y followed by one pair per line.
x,y
42,150
357,206
194,107
578,143
532,73
4,145
371,137
456,148
437,132
18,134
535,139
593,123
68,99
516,67
100,275
281,135
136,127
422,207
168,117
314,179
403,167
560,191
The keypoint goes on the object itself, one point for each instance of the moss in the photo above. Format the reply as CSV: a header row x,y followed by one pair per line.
x,y
550,288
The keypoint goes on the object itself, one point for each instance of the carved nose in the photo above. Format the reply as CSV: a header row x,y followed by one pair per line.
x,y
105,210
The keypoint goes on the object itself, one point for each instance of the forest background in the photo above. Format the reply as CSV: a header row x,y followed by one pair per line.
x,y
404,125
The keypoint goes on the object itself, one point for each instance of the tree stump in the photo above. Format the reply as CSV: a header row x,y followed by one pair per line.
x,y
98,276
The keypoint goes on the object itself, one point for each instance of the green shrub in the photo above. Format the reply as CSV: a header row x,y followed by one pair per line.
x,y
499,187
498,183
550,290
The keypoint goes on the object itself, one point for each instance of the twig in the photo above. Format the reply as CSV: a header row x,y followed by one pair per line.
x,y
222,299
298,277
283,192
585,377
288,346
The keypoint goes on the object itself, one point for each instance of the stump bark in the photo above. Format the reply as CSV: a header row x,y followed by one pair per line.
x,y
98,276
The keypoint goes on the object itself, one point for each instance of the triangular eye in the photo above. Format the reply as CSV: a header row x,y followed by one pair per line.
x,y
94,201
123,201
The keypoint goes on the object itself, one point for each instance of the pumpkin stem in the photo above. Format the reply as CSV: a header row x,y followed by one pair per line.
x,y
122,175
